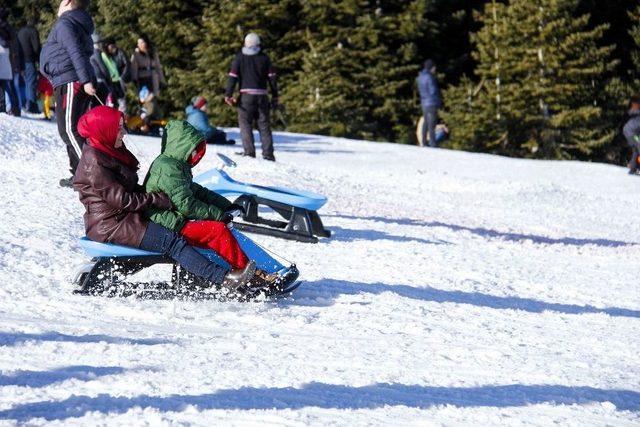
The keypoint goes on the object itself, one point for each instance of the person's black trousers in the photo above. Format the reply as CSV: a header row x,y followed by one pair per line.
x,y
71,103
255,108
7,85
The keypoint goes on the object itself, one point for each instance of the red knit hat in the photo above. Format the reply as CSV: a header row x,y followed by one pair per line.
x,y
198,102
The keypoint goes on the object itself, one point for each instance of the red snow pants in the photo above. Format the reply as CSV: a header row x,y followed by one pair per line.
x,y
216,236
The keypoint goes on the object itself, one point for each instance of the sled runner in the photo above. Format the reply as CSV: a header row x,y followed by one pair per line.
x,y
111,264
298,208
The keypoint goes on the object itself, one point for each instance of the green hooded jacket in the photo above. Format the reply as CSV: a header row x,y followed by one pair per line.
x,y
171,174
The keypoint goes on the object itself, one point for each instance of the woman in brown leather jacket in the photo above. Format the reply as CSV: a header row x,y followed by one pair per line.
x,y
107,182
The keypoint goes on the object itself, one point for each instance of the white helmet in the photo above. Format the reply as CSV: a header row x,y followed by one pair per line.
x,y
251,40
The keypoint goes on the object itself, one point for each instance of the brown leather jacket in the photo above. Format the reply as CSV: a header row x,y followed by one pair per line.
x,y
113,200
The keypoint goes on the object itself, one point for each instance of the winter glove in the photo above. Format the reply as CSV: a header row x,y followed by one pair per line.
x,y
235,210
161,201
227,218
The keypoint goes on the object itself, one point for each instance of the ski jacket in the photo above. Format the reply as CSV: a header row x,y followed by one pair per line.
x,y
199,120
147,68
171,174
124,66
29,39
252,73
65,55
631,130
108,188
99,68
428,89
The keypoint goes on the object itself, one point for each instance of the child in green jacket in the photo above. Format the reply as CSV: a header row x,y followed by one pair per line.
x,y
199,214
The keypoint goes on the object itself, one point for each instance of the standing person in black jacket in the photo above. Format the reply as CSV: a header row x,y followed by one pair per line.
x,y
252,70
29,40
10,45
64,60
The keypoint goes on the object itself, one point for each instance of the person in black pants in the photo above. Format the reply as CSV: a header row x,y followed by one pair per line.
x,y
252,69
64,60
29,39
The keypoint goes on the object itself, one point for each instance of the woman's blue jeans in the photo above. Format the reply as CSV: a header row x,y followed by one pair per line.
x,y
160,239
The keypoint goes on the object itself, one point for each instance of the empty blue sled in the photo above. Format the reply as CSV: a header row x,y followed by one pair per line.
x,y
218,181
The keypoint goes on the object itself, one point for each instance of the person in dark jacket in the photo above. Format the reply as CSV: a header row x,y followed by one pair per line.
x,y
10,49
197,117
430,100
146,69
631,131
29,40
107,183
120,69
64,60
120,58
252,70
103,79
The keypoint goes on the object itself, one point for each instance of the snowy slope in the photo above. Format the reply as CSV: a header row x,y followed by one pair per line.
x,y
457,288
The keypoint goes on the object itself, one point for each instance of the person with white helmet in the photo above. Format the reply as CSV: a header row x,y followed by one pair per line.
x,y
251,69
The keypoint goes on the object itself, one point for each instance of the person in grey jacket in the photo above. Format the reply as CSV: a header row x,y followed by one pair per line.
x,y
29,40
430,99
10,48
631,131
65,61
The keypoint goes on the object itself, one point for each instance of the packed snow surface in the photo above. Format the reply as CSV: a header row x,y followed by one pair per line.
x,y
456,288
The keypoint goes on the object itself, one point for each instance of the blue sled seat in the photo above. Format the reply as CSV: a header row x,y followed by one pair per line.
x,y
109,250
218,181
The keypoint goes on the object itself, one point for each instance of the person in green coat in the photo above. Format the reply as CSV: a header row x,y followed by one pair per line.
x,y
199,214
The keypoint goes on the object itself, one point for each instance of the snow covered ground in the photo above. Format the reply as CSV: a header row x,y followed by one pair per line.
x,y
457,289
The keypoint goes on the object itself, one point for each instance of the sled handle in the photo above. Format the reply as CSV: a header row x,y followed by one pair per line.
x,y
226,161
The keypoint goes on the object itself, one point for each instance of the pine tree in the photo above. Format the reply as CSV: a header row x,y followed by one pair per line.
x,y
225,23
358,68
634,32
542,73
172,25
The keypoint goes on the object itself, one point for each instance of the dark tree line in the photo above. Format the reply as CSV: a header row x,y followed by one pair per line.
x,y
546,79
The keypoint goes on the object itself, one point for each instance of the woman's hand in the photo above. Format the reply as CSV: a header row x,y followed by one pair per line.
x,y
162,201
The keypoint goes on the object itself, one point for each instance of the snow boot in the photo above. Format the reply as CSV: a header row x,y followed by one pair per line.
x,y
264,282
237,279
66,182
243,154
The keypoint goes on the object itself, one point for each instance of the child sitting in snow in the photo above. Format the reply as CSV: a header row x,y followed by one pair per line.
x,y
197,117
199,214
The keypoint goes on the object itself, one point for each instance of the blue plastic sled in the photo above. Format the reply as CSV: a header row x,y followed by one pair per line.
x,y
299,208
112,262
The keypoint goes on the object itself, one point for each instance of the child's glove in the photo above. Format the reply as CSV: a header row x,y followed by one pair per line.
x,y
235,210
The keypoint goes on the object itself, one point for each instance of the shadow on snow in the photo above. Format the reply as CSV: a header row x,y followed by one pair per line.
x,y
331,396
488,233
44,378
332,289
14,338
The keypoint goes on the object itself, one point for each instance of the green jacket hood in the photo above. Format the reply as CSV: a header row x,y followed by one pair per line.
x,y
180,139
